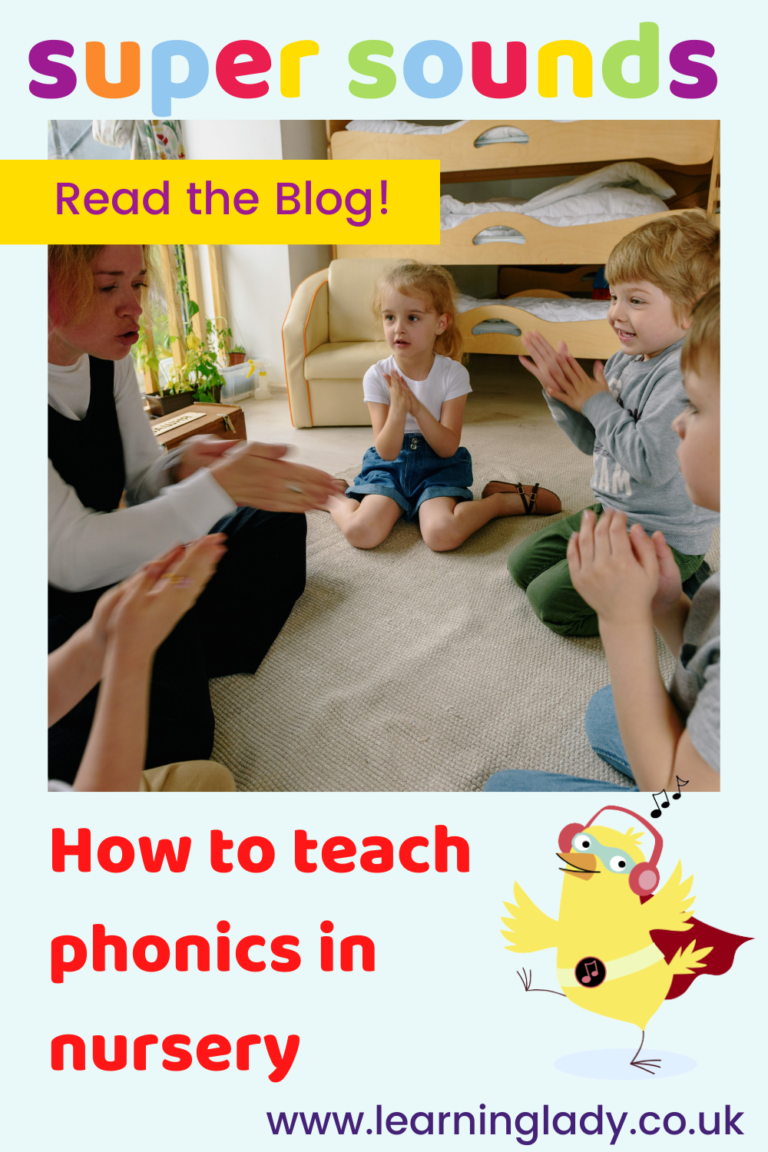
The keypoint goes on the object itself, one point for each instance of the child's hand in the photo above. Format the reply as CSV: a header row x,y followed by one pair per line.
x,y
577,386
670,582
616,577
98,625
400,396
156,597
545,364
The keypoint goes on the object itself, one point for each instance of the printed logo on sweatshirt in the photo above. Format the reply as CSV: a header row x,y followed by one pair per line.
x,y
609,476
614,387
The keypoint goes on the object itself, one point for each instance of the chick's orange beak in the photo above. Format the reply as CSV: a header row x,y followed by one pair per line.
x,y
580,864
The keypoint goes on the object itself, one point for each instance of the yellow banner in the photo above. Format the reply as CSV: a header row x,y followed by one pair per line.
x,y
220,201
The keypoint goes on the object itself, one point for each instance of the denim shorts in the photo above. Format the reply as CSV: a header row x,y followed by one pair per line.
x,y
418,474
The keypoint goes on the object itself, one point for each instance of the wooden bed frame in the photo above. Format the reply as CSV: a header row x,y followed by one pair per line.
x,y
686,147
544,244
685,152
586,339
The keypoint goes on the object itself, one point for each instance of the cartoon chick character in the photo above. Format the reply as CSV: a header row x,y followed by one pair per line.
x,y
621,951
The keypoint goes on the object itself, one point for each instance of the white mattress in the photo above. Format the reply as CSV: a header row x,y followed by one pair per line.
x,y
616,192
543,307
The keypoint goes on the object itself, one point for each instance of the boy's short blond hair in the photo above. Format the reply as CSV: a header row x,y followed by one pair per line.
x,y
679,254
702,341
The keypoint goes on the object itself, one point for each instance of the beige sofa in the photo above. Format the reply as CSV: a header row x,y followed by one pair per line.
x,y
330,340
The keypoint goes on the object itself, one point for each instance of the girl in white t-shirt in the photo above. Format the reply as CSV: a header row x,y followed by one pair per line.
x,y
416,398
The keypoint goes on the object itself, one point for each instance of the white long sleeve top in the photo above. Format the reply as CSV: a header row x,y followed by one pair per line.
x,y
88,549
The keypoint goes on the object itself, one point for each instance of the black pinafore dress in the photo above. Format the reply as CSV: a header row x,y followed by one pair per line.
x,y
88,455
265,561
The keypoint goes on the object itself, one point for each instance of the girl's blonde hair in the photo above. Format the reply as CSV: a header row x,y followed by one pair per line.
x,y
70,278
437,284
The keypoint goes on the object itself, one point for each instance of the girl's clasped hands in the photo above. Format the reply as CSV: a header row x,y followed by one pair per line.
x,y
401,397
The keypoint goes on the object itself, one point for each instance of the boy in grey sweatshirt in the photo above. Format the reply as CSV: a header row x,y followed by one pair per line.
x,y
663,739
623,414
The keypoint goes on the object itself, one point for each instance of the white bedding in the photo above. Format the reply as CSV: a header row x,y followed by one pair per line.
x,y
454,212
555,308
616,192
403,127
502,134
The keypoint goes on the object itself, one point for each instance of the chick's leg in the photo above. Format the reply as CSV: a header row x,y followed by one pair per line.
x,y
526,979
646,1065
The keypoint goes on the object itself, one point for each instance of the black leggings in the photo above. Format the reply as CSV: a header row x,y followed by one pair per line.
x,y
229,630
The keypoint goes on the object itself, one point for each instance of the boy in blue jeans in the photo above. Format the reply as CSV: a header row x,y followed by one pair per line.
x,y
623,415
662,740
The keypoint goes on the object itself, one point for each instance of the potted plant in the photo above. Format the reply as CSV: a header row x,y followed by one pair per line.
x,y
153,346
236,355
197,379
163,403
201,371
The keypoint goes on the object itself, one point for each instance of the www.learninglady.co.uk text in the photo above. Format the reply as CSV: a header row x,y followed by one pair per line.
x,y
524,1127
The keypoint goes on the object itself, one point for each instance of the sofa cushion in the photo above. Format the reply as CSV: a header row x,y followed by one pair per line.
x,y
337,402
344,361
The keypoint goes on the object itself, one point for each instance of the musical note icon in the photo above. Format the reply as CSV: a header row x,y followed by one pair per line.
x,y
665,802
590,971
590,975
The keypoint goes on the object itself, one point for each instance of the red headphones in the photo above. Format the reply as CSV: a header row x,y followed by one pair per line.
x,y
644,878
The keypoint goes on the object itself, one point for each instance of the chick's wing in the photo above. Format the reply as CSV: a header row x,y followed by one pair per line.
x,y
671,907
528,929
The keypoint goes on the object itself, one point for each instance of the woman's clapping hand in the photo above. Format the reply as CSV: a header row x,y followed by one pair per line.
x,y
255,475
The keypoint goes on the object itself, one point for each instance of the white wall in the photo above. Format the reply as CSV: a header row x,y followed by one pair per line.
x,y
232,139
259,280
305,140
258,287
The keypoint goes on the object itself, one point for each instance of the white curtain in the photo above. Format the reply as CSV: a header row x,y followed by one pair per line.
x,y
149,139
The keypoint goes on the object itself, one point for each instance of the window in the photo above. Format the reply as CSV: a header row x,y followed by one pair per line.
x,y
73,140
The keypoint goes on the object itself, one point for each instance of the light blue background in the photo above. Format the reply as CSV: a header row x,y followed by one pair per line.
x,y
443,1022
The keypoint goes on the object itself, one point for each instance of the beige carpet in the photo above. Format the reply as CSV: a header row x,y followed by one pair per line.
x,y
402,669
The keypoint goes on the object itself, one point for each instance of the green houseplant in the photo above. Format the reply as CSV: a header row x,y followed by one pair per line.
x,y
199,374
231,353
199,377
153,346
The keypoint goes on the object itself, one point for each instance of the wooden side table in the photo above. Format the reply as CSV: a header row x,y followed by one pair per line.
x,y
224,420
